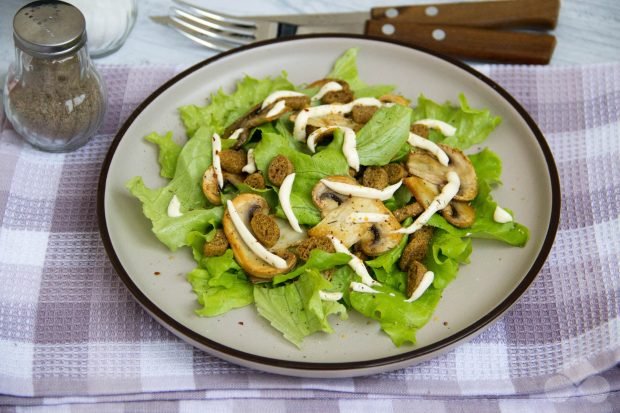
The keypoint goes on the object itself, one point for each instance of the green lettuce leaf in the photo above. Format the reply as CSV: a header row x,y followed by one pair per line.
x,y
488,168
169,152
223,109
399,319
308,170
472,125
193,160
296,309
220,285
345,68
384,135
447,251
319,260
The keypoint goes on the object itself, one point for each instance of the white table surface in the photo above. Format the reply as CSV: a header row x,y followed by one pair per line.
x,y
588,30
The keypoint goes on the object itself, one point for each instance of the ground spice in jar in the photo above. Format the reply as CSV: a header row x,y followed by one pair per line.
x,y
53,100
53,95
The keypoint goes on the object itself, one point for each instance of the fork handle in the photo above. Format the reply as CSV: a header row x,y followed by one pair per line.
x,y
469,43
541,14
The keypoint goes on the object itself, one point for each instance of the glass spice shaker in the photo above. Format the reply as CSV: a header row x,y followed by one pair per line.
x,y
53,95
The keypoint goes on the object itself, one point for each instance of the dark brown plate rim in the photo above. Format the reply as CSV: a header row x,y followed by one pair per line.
x,y
193,337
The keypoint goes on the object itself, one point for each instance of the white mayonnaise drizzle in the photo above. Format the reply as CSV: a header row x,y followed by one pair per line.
x,y
427,281
448,192
235,135
445,128
299,130
355,263
250,167
428,145
277,109
362,288
362,191
501,215
216,148
330,296
279,94
362,217
327,87
349,145
252,243
285,201
174,207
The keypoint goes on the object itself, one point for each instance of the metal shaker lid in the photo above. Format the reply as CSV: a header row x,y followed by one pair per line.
x,y
49,28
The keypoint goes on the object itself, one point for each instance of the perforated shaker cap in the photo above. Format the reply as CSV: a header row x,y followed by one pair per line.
x,y
49,28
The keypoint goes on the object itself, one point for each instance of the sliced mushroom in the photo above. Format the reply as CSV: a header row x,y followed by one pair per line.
x,y
288,236
382,236
333,119
415,273
424,192
426,166
257,116
460,214
326,199
374,238
397,99
247,205
210,188
234,179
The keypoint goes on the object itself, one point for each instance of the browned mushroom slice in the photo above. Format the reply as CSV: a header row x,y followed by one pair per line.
x,y
257,116
424,192
336,221
381,236
234,179
210,188
247,205
326,199
426,166
460,214
333,119
415,273
397,99
417,247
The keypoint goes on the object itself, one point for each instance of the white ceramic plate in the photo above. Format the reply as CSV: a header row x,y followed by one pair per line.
x,y
497,276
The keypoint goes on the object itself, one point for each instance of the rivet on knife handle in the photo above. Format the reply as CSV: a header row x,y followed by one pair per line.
x,y
469,43
542,14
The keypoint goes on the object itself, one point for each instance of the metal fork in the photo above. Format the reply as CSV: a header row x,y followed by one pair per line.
x,y
473,30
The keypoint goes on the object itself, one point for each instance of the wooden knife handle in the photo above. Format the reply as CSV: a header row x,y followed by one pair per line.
x,y
541,14
469,43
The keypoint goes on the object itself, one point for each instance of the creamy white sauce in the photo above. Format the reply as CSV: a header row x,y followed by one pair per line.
x,y
216,148
174,207
445,128
448,192
250,167
235,135
427,281
355,263
428,145
327,87
277,109
285,201
330,296
362,191
299,130
349,145
362,217
252,243
279,95
501,215
362,288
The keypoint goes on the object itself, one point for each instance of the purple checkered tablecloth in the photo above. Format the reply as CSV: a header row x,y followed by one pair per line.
x,y
73,338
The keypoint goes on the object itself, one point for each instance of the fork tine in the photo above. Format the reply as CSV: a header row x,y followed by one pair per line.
x,y
212,34
217,16
208,23
210,43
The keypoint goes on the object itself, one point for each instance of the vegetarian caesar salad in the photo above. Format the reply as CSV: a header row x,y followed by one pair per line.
x,y
315,200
